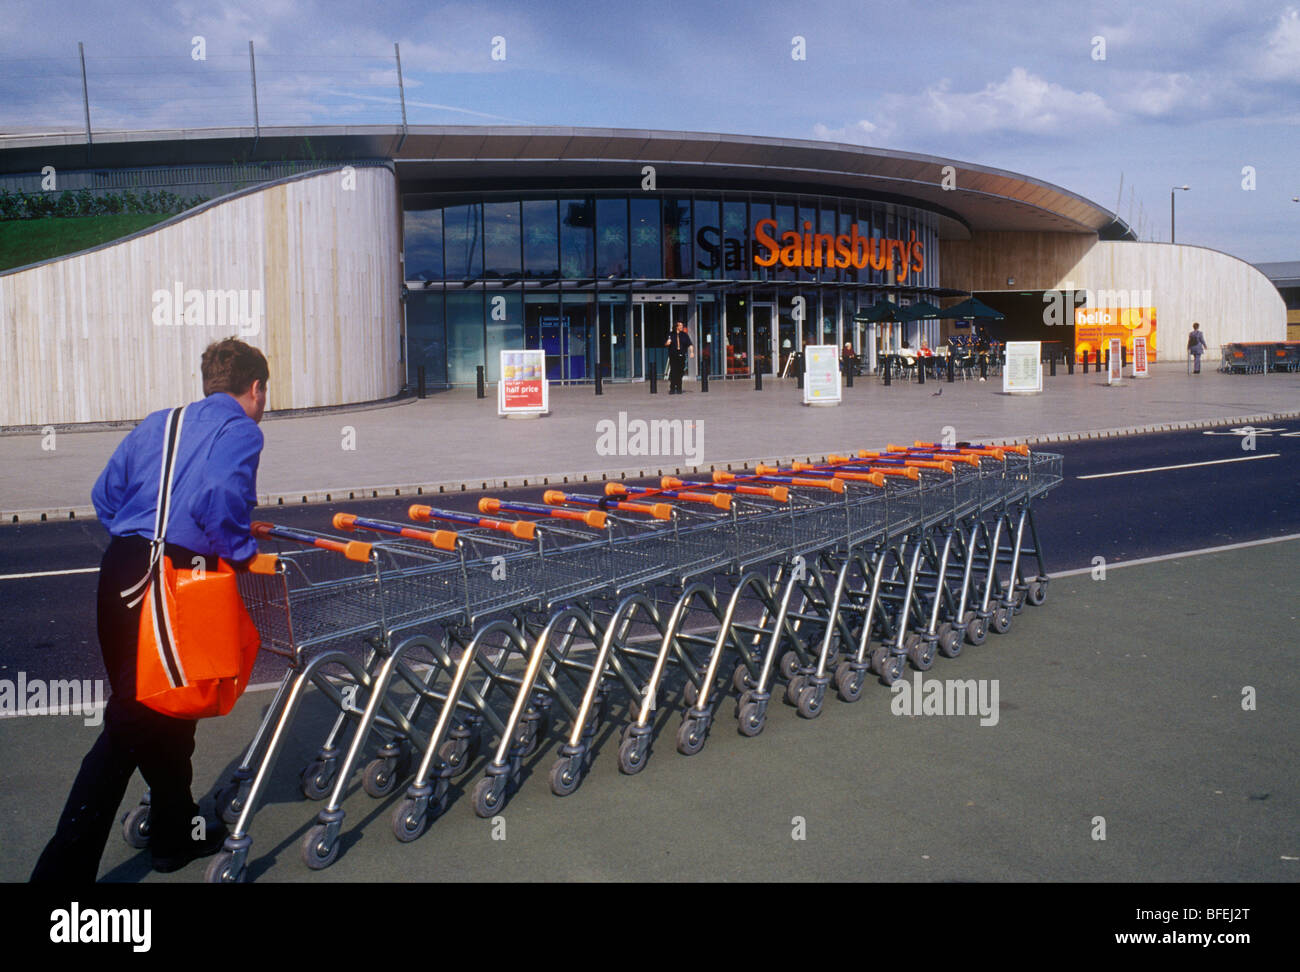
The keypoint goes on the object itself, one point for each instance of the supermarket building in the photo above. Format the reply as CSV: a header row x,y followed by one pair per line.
x,y
362,259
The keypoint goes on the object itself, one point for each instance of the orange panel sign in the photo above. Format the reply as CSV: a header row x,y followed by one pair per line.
x,y
1095,326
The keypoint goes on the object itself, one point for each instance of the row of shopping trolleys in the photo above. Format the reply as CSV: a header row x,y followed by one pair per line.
x,y
461,635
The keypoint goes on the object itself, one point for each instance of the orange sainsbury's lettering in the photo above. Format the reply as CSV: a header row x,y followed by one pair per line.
x,y
766,241
852,249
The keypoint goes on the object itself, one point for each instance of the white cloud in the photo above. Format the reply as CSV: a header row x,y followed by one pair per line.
x,y
1281,57
856,133
1021,102
1154,95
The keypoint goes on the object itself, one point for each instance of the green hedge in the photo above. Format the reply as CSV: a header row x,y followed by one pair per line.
x,y
68,204
32,240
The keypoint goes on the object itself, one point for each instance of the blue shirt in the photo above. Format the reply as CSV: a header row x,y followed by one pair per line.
x,y
214,481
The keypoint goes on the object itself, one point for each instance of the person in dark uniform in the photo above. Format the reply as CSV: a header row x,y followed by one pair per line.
x,y
213,495
679,346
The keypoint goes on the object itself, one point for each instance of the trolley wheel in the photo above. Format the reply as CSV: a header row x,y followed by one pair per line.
x,y
790,664
949,641
741,680
135,827
632,755
1018,603
921,653
1001,620
793,688
533,731
566,775
379,779
316,780
848,683
690,694
751,718
407,823
810,702
489,795
891,668
456,754
1036,594
317,854
221,870
690,736
977,631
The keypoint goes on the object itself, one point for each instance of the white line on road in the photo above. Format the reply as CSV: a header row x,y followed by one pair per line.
x,y
1177,556
50,573
1185,465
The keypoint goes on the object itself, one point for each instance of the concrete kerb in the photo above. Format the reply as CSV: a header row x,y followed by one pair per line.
x,y
414,490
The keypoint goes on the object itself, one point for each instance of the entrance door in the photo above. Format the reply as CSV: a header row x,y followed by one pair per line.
x,y
653,321
763,353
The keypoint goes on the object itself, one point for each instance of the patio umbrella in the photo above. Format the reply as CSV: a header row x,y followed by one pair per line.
x,y
923,310
882,311
974,309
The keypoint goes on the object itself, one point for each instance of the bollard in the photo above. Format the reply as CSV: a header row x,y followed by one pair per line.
x,y
599,389
481,392
920,370
419,382
984,366
654,383
798,371
1104,364
758,381
1069,362
1086,356
848,377
1053,372
704,380
951,368
888,359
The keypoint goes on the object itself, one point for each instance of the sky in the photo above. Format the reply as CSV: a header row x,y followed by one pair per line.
x,y
1079,94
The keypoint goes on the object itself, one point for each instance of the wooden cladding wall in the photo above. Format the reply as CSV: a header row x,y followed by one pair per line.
x,y
1232,300
305,269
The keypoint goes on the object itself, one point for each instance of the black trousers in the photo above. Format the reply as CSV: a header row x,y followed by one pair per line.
x,y
133,737
676,368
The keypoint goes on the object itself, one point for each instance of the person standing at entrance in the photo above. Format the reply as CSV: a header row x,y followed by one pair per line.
x,y
1196,345
214,494
679,346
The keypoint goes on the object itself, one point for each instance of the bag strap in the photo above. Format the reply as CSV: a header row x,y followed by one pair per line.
x,y
162,512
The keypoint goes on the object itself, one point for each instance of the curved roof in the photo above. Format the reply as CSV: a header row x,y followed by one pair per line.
x,y
984,198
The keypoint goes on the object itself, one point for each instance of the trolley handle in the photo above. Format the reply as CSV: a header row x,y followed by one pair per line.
x,y
442,539
519,529
874,478
352,549
592,518
779,493
834,485
660,511
720,500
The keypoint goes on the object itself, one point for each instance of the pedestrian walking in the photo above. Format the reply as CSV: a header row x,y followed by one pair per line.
x,y
1196,346
213,492
679,348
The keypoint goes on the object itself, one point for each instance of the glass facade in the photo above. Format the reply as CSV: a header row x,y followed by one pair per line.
x,y
594,278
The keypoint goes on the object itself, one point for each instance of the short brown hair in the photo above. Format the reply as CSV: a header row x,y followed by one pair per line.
x,y
232,366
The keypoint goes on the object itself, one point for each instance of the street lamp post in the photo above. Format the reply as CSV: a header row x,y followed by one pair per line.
x,y
1171,209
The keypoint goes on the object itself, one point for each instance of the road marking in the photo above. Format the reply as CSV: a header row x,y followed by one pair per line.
x,y
1177,556
1185,465
50,573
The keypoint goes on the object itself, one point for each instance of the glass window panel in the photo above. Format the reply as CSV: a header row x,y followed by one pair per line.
x,y
845,227
464,336
736,257
422,244
737,327
579,312
646,253
464,241
505,329
708,239
786,220
501,240
541,240
678,262
543,328
426,337
827,224
611,238
758,209
577,242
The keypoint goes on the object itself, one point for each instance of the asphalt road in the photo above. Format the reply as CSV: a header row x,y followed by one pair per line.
x,y
1218,493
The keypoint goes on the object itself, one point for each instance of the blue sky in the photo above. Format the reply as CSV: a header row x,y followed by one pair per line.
x,y
1185,94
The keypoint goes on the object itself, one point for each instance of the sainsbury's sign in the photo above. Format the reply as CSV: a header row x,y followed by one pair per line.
x,y
809,249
